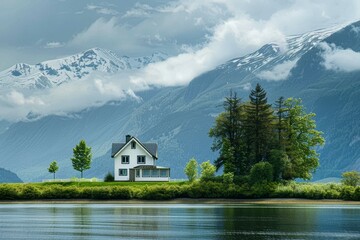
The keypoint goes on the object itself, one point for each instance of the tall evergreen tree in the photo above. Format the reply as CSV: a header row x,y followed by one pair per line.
x,y
227,134
280,111
259,125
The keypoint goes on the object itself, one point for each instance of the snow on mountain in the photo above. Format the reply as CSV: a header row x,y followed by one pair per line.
x,y
52,73
272,54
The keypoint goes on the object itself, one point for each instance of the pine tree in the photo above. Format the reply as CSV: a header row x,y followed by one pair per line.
x,y
280,111
228,136
259,125
81,159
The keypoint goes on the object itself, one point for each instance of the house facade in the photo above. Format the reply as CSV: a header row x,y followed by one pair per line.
x,y
136,161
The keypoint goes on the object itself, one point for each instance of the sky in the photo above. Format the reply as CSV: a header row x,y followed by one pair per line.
x,y
197,35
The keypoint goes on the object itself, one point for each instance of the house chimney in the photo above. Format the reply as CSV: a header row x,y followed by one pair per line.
x,y
127,138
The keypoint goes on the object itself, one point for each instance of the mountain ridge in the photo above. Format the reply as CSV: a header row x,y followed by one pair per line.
x,y
179,118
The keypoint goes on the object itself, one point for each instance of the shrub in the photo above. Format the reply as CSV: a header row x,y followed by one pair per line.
x,y
261,172
109,177
7,192
121,193
351,178
207,171
228,178
29,192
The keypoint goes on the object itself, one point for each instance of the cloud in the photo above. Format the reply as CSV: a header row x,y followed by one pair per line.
x,y
279,72
54,45
102,10
338,59
229,39
65,99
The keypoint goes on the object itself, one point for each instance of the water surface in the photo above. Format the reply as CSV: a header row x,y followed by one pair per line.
x,y
179,221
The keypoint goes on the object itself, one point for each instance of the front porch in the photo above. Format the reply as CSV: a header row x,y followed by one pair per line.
x,y
149,173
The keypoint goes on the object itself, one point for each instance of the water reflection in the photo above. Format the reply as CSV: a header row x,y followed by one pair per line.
x,y
178,221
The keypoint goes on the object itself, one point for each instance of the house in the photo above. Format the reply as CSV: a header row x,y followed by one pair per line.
x,y
136,161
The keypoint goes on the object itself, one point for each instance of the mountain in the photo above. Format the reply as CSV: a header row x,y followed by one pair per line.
x,y
59,71
7,176
179,118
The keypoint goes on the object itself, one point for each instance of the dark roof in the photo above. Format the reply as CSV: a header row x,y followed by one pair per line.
x,y
149,167
151,148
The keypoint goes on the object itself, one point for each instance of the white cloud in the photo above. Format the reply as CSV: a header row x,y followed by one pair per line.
x,y
102,10
54,45
66,98
339,59
229,39
279,72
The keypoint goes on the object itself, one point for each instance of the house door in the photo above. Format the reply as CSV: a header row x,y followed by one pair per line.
x,y
132,175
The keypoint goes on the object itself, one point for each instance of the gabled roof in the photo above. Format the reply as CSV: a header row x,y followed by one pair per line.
x,y
151,148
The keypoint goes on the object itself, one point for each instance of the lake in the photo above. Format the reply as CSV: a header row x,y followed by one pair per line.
x,y
179,221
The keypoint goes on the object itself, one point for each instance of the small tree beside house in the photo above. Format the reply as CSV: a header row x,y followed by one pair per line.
x,y
53,168
81,159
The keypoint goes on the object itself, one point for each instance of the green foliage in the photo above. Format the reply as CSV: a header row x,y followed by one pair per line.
x,y
191,169
207,171
258,125
280,162
228,135
248,133
261,172
53,168
8,192
81,159
228,178
301,139
109,177
351,178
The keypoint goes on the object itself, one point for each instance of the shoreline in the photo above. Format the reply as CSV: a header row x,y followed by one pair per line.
x,y
215,201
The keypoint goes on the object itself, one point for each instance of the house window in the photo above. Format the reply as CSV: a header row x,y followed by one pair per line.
x,y
146,173
123,172
141,159
133,145
164,172
125,159
137,173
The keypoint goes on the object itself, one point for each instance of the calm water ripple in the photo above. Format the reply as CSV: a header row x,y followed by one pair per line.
x,y
178,221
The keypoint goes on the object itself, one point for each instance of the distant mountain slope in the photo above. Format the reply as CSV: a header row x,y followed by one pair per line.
x,y
179,118
56,72
7,176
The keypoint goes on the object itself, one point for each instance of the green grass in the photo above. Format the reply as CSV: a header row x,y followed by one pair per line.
x,y
172,190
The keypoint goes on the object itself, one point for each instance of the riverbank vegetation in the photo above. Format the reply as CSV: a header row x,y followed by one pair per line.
x,y
217,187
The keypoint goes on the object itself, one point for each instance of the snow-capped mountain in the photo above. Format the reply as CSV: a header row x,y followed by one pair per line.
x,y
179,118
56,72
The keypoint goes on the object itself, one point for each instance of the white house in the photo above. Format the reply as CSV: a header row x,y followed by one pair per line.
x,y
135,161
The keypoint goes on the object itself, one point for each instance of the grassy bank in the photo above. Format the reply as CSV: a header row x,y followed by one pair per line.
x,y
173,190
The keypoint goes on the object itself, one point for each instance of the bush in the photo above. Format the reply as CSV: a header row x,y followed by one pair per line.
x,y
7,192
207,171
29,192
261,172
109,177
228,178
351,178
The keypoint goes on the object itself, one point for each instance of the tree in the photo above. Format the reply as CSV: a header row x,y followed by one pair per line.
x,y
301,140
207,170
259,128
280,111
53,168
261,172
191,169
228,136
81,159
351,178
